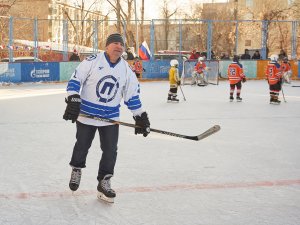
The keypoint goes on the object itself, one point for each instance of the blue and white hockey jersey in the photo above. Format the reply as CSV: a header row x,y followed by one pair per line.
x,y
102,86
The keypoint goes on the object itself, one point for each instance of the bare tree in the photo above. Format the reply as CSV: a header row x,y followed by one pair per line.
x,y
166,15
5,7
82,36
142,20
278,33
124,13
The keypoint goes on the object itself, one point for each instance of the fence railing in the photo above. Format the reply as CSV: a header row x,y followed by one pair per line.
x,y
54,40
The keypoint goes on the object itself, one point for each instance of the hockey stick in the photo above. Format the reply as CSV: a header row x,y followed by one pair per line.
x,y
282,93
295,86
199,137
182,92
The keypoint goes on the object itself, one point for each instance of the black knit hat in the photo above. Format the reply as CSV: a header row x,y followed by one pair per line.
x,y
114,38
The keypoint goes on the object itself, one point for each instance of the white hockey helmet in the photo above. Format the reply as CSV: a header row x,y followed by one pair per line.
x,y
274,58
201,59
174,62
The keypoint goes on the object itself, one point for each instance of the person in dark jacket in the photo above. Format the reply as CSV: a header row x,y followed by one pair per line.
x,y
256,55
74,56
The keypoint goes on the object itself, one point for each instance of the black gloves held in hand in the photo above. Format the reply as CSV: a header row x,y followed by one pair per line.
x,y
143,124
73,107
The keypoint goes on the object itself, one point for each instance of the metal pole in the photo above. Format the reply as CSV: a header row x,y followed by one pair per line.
x,y
137,31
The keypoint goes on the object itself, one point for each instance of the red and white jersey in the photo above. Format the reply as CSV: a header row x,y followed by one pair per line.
x,y
273,72
285,67
235,73
200,67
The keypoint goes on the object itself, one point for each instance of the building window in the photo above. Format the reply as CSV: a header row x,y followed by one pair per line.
x,y
249,3
247,42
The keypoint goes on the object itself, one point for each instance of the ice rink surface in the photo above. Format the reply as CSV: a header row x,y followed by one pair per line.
x,y
246,174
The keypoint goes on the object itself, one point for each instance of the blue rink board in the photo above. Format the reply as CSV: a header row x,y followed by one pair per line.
x,y
40,71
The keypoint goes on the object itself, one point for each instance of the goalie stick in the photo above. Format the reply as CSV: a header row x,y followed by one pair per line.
x,y
199,137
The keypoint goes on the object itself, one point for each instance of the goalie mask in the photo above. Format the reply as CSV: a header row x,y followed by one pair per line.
x,y
274,58
174,62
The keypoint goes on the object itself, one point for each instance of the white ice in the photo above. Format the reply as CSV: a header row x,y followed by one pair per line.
x,y
247,173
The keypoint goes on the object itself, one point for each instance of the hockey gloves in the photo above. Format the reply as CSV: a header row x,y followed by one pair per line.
x,y
244,79
178,83
73,107
143,124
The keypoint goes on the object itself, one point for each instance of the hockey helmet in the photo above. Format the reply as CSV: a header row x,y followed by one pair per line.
x,y
236,58
200,59
274,58
174,62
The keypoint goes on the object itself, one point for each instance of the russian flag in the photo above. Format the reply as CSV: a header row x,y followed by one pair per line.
x,y
144,51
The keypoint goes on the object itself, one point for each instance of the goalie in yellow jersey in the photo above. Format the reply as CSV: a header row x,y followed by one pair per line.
x,y
174,81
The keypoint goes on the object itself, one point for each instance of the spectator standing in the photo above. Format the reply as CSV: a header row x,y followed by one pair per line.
x,y
74,56
246,55
130,55
256,55
194,55
282,55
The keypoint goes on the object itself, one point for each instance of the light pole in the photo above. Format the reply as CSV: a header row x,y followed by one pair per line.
x,y
137,31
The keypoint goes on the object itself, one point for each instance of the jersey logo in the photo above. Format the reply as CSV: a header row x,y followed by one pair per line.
x,y
107,88
92,57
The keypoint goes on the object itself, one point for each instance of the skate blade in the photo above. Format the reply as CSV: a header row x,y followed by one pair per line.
x,y
173,102
102,197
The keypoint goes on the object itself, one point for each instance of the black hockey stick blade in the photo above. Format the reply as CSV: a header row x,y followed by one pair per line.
x,y
295,86
199,137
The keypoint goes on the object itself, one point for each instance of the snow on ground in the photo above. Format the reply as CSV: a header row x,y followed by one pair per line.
x,y
247,173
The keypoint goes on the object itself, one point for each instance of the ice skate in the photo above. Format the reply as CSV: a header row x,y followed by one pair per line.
x,y
231,98
276,102
239,99
75,179
174,99
169,99
105,192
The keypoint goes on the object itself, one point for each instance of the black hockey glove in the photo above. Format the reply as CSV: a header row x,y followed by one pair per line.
x,y
178,83
73,107
143,123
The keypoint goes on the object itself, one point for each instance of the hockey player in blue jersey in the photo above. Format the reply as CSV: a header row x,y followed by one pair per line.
x,y
96,89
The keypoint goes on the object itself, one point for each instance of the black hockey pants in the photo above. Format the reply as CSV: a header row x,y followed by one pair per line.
x,y
108,142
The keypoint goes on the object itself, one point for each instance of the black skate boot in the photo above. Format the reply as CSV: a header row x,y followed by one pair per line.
x,y
231,98
239,99
276,101
75,179
174,99
169,98
105,192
